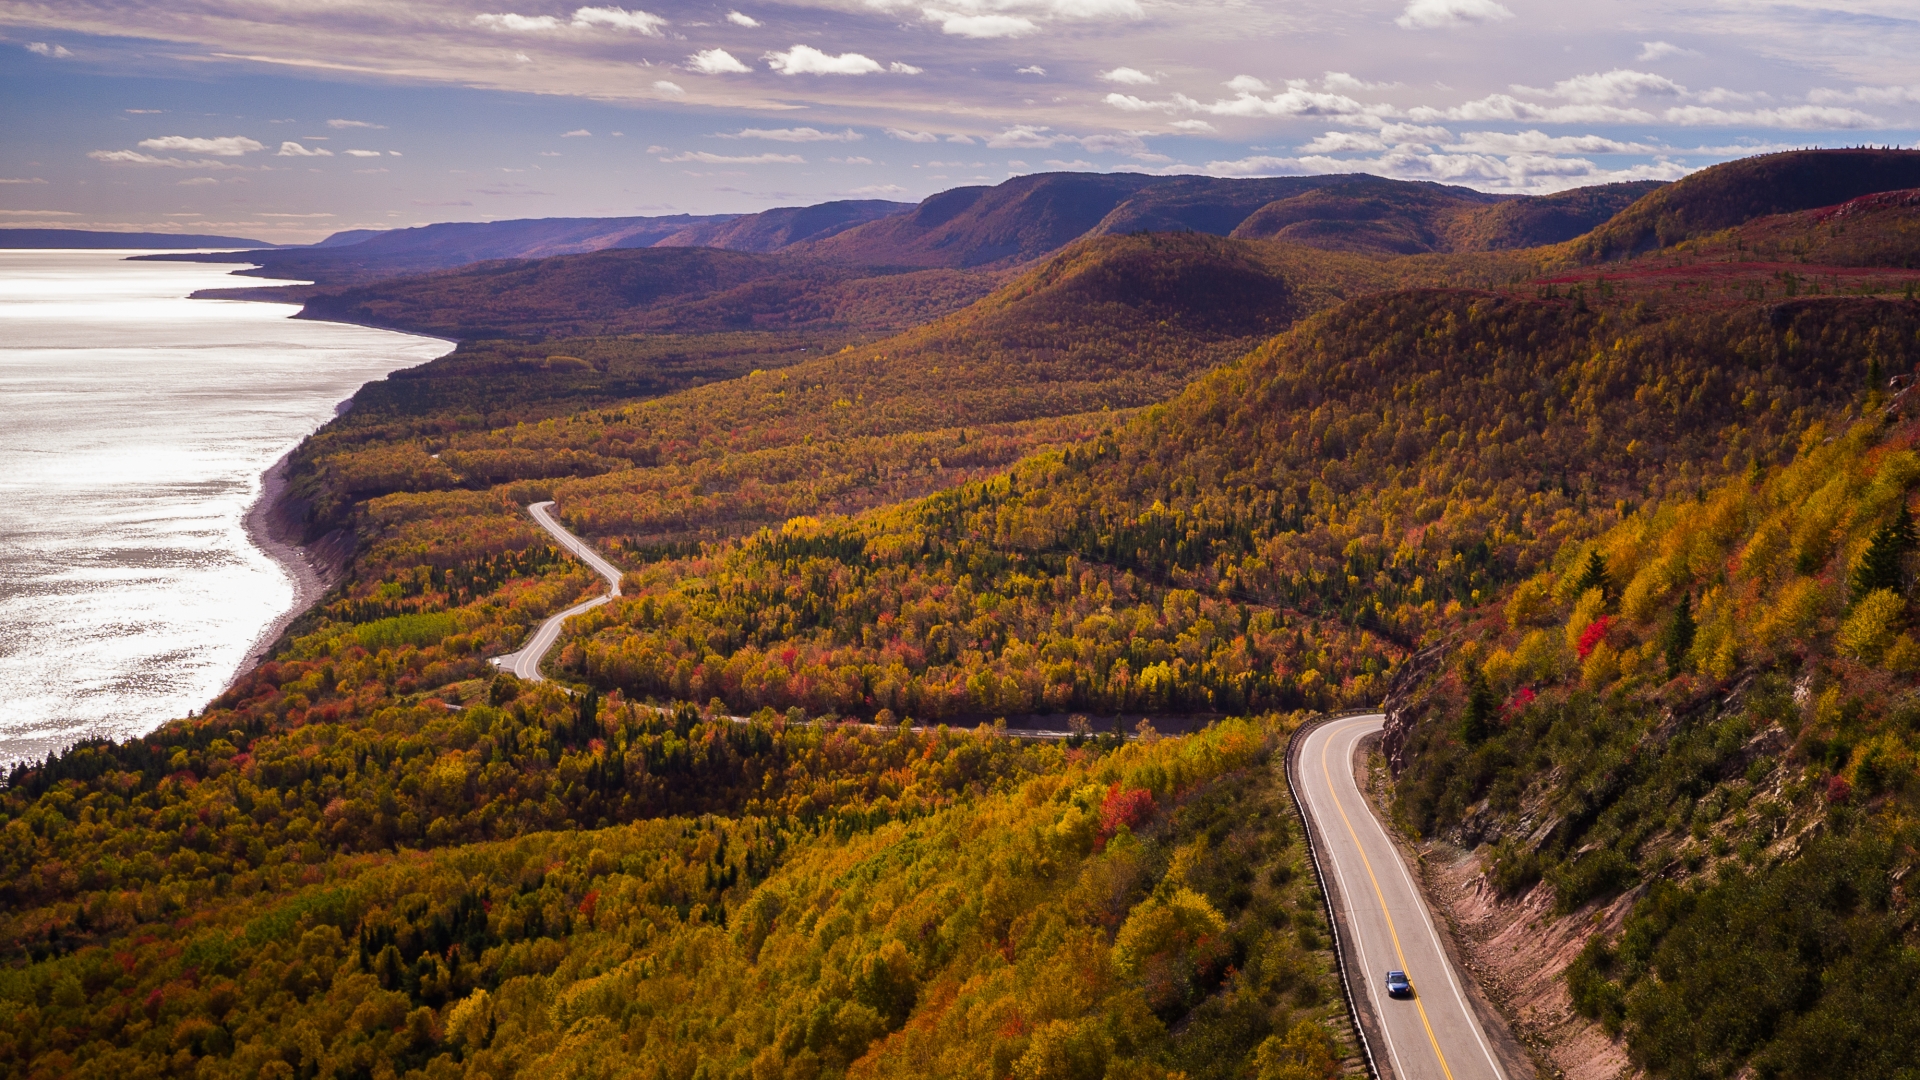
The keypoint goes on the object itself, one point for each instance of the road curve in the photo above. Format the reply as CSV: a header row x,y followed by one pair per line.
x,y
525,664
1385,924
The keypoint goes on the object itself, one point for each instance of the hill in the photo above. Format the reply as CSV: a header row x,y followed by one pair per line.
x,y
659,290
88,238
1625,550
1030,216
772,230
1739,191
397,252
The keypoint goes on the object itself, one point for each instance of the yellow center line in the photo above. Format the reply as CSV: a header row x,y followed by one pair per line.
x,y
1380,896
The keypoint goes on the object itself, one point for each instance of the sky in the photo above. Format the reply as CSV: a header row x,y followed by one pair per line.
x,y
287,120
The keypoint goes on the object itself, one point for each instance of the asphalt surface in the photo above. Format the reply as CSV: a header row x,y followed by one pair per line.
x,y
525,664
1386,924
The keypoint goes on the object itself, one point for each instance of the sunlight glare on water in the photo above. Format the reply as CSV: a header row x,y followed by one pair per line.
x,y
134,426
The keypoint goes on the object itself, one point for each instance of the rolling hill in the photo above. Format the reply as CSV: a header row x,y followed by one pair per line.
x,y
1740,191
88,238
1625,549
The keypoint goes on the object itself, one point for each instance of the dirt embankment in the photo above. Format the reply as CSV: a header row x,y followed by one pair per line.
x,y
1518,950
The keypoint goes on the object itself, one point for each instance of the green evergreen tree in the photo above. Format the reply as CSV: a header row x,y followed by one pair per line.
x,y
1677,636
1482,708
1882,566
1593,577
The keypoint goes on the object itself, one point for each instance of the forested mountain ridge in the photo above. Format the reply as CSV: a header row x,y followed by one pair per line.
x,y
1740,191
1176,477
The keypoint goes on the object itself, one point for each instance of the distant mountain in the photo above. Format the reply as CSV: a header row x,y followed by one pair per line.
x,y
774,229
398,252
651,290
1031,216
348,236
1740,191
92,239
1022,219
1545,219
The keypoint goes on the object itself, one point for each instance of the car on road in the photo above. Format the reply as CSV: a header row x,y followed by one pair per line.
x,y
1397,984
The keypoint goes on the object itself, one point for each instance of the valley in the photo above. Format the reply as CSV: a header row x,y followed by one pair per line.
x,y
1602,499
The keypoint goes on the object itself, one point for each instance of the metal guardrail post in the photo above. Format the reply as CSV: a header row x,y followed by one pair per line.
x,y
1326,899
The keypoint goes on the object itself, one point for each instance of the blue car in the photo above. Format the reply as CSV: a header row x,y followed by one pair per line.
x,y
1397,985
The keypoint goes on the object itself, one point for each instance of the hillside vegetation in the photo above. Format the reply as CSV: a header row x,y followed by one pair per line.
x,y
1625,548
1740,191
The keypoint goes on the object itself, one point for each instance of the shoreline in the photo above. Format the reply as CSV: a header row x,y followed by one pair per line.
x,y
272,525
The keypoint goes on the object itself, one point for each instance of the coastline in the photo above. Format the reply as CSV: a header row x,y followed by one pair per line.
x,y
272,525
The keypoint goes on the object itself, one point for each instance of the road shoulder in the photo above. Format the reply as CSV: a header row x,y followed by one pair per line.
x,y
1519,1058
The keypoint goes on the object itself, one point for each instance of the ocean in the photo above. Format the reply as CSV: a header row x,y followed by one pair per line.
x,y
135,425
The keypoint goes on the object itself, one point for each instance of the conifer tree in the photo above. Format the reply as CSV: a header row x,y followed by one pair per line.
x,y
1677,637
1881,567
1482,706
1593,577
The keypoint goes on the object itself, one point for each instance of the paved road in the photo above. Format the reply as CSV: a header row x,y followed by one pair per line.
x,y
1435,1034
526,663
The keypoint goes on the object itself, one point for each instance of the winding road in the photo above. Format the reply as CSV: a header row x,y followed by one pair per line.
x,y
525,664
1383,921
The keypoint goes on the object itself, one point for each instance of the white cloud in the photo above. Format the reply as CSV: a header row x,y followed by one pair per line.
x,y
807,60
1659,50
912,136
361,153
1798,117
222,146
1533,173
524,24
396,153
716,62
739,19
1130,103
852,161
1129,77
644,22
879,189
577,133
1195,126
135,157
1620,84
294,149
1292,102
1508,107
343,124
41,48
1010,18
39,213
963,140
1031,69
1720,95
1076,163
705,158
796,135
667,87
1024,137
1345,142
21,180
1435,14
197,181
1539,142
585,18
899,68
1246,84
1341,82
1869,95
981,26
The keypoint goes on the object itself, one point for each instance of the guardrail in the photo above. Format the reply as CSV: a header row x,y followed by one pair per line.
x,y
1326,897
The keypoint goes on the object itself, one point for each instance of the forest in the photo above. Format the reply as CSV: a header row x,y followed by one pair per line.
x,y
1618,533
